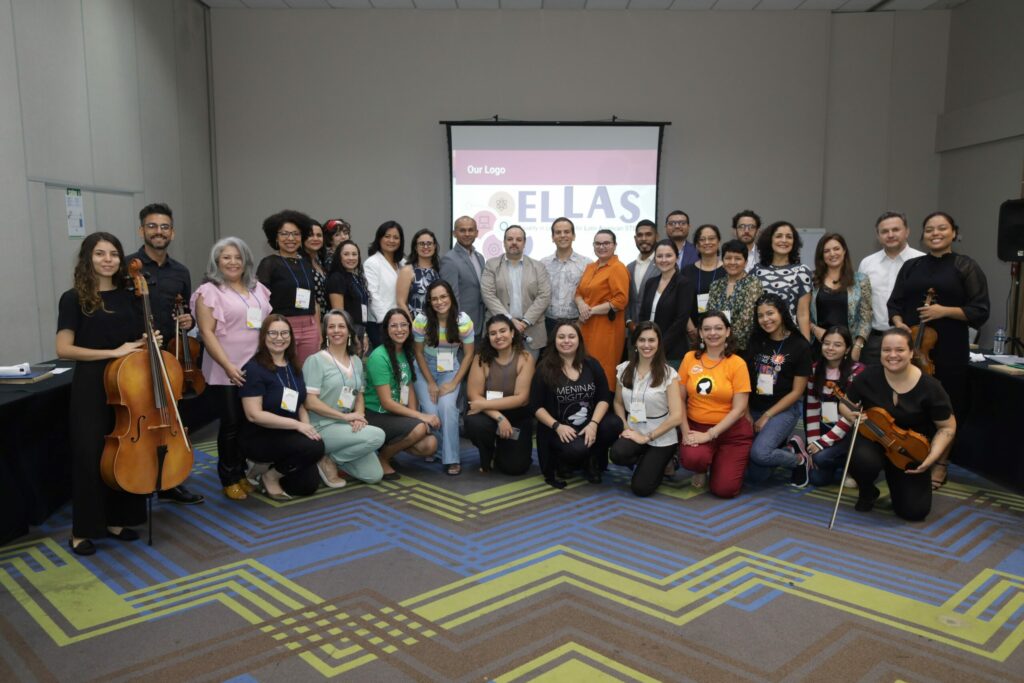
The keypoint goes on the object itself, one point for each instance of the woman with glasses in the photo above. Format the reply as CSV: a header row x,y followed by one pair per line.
x,y
439,333
289,276
781,272
277,434
348,291
668,301
381,270
230,308
390,400
499,421
736,293
422,267
706,270
602,294
334,383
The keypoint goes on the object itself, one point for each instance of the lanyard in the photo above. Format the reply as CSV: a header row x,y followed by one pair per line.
x,y
341,368
245,299
291,377
302,267
714,276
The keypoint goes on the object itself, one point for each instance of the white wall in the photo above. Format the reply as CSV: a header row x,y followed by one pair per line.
x,y
981,134
110,96
817,118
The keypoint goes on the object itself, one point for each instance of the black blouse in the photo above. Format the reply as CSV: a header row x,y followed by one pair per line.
x,y
282,276
918,409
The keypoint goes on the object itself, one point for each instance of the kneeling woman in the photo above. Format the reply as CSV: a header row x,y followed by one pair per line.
x,y
648,401
438,332
570,398
277,431
779,359
499,421
917,402
715,388
334,382
390,401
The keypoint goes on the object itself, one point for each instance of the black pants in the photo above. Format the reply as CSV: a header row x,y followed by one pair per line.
x,y
554,455
911,493
230,463
648,463
292,454
508,456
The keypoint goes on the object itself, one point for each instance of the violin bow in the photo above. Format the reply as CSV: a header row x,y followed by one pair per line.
x,y
846,469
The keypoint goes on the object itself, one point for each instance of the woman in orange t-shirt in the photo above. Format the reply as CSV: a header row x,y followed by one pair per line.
x,y
715,385
602,293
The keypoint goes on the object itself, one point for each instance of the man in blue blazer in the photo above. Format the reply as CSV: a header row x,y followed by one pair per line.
x,y
462,267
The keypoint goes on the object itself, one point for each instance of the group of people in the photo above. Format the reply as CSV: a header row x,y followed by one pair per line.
x,y
323,367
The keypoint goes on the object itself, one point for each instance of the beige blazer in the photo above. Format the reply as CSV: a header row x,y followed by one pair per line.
x,y
494,286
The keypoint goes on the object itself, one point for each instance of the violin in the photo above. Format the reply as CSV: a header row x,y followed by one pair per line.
x,y
905,448
148,450
185,350
925,338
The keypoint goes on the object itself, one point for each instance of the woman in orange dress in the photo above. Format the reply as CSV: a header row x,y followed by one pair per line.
x,y
601,295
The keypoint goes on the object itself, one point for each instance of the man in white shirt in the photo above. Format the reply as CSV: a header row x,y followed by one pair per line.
x,y
746,224
518,286
642,269
881,268
565,269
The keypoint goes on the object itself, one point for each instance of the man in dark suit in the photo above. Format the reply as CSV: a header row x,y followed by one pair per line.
x,y
462,267
642,269
677,228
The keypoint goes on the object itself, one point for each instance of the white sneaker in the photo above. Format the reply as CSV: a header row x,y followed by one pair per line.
x,y
849,483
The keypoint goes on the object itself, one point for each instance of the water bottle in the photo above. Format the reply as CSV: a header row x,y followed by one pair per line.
x,y
999,342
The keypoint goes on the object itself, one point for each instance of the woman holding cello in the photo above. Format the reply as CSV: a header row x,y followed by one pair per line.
x,y
960,301
916,402
98,320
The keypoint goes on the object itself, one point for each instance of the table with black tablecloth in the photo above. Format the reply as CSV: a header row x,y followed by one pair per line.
x,y
35,478
991,440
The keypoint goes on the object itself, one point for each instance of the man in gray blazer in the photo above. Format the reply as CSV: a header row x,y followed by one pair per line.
x,y
519,287
462,267
646,237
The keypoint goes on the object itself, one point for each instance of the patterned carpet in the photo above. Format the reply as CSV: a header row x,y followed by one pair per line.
x,y
479,578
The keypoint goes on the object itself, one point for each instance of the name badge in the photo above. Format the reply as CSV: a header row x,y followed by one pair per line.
x,y
445,359
494,395
728,315
637,411
403,395
362,311
830,412
289,400
302,297
347,399
702,302
765,384
253,317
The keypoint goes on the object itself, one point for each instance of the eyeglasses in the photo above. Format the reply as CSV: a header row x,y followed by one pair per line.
x,y
278,334
746,226
162,227
676,224
707,240
421,245
289,234
603,244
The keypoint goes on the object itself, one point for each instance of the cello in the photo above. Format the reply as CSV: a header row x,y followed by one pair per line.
x,y
185,350
905,448
925,338
148,449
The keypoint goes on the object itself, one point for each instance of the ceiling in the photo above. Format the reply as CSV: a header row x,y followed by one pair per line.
x,y
716,5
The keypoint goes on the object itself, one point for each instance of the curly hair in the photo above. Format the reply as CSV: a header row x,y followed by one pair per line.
x,y
485,352
87,285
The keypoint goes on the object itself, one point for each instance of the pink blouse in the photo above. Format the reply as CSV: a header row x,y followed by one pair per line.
x,y
229,311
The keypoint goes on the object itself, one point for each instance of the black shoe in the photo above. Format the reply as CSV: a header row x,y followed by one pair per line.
x,y
866,499
593,474
84,547
181,496
556,483
125,534
391,476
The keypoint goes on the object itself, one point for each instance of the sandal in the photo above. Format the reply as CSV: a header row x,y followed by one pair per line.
x,y
453,470
699,480
937,480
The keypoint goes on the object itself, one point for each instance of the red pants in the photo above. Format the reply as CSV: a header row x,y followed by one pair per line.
x,y
727,457
306,332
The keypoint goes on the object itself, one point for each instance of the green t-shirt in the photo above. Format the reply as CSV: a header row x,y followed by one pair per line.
x,y
378,373
325,378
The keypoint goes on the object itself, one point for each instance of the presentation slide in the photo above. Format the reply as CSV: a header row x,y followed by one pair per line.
x,y
600,177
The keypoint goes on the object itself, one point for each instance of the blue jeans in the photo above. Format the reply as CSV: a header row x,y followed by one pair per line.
x,y
829,462
446,408
765,454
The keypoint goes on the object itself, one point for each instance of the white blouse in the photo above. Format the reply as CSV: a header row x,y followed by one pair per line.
x,y
382,283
